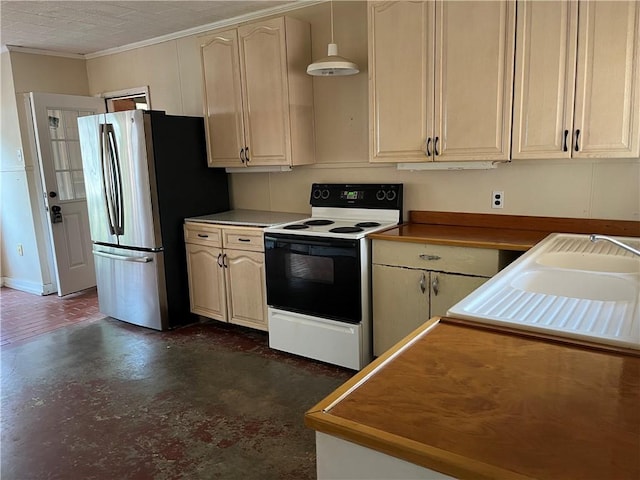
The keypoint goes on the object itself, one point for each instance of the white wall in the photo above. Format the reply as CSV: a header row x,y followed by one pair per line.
x,y
20,203
577,188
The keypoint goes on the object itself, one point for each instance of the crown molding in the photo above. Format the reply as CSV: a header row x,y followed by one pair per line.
x,y
206,28
38,51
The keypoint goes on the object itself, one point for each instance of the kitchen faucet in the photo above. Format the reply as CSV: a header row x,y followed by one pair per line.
x,y
594,238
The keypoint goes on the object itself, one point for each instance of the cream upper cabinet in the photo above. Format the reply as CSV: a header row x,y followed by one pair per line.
x,y
258,99
222,96
577,92
441,80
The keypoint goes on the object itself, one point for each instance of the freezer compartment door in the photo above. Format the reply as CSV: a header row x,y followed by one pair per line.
x,y
132,286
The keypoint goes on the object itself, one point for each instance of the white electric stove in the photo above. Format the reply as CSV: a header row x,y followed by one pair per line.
x,y
318,273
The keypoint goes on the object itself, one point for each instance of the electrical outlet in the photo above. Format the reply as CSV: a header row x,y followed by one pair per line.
x,y
497,199
20,250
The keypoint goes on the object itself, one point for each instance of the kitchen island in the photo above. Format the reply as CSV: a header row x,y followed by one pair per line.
x,y
465,400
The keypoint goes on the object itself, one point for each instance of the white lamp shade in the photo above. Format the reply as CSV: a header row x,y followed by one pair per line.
x,y
332,65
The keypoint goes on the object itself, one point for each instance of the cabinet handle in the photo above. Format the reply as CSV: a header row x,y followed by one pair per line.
x,y
435,146
244,239
577,145
427,257
246,155
565,148
435,286
224,261
423,280
220,260
242,159
428,147
202,235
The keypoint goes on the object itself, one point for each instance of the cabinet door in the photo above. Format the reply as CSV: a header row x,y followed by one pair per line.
x,y
265,92
222,99
474,80
400,80
448,289
607,108
206,281
545,79
399,304
246,288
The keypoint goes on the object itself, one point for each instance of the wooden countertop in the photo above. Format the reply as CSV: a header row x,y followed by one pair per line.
x,y
519,240
474,401
503,232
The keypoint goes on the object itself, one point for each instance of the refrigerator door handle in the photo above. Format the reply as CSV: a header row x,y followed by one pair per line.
x,y
117,179
107,177
123,258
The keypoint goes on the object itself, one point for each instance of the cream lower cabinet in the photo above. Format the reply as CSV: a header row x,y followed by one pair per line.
x,y
413,282
226,274
258,99
577,89
440,80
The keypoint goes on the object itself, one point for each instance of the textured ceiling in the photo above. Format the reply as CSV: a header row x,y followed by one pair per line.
x,y
85,27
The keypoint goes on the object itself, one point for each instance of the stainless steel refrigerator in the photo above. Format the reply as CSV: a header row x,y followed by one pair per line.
x,y
144,172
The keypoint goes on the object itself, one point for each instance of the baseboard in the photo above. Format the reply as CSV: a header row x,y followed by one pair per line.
x,y
29,287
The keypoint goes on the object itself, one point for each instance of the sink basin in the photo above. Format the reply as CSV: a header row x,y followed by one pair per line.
x,y
567,286
575,284
590,262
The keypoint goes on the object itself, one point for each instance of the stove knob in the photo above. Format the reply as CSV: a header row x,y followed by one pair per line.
x,y
316,194
325,194
380,195
391,195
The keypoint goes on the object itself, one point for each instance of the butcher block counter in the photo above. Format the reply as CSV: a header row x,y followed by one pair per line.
x,y
476,401
502,232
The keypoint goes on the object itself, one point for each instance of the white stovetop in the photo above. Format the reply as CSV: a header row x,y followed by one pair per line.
x,y
342,217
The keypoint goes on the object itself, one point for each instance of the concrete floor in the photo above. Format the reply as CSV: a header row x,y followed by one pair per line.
x,y
107,400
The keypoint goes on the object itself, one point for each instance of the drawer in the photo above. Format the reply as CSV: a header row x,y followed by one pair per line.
x,y
442,258
243,239
202,234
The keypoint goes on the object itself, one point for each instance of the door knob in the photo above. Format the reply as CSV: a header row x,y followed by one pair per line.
x,y
56,214
53,194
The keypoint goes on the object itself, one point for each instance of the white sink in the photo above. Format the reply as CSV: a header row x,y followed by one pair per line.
x,y
575,284
591,262
566,285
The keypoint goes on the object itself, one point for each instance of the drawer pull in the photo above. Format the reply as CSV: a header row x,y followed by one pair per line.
x,y
422,283
244,239
427,257
202,235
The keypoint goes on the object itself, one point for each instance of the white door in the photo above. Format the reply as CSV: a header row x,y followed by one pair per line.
x,y
56,134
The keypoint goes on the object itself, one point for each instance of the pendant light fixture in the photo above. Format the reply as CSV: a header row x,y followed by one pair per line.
x,y
332,65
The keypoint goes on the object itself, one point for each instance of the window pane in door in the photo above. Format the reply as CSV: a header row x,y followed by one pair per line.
x,y
67,159
78,184
70,124
59,150
75,157
65,186
56,126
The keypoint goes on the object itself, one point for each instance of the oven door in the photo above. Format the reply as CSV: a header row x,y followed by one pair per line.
x,y
313,275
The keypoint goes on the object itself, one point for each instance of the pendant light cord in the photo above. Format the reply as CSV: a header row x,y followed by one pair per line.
x,y
331,6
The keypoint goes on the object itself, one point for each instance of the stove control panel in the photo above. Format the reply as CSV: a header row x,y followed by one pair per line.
x,y
357,195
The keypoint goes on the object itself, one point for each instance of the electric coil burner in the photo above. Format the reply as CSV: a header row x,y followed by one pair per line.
x,y
318,273
319,222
